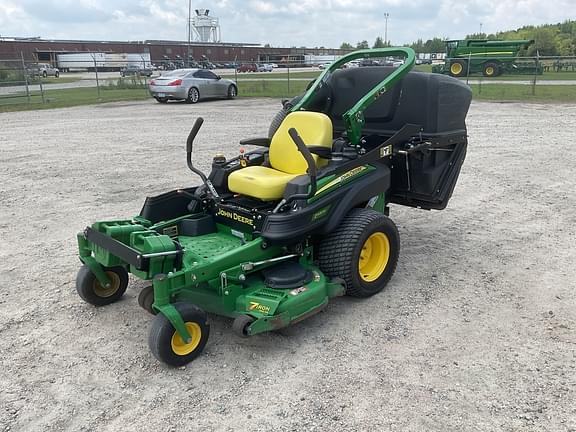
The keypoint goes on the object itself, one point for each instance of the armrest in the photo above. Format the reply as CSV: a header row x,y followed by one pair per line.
x,y
323,152
262,142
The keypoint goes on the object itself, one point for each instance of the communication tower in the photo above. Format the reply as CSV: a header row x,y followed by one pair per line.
x,y
205,28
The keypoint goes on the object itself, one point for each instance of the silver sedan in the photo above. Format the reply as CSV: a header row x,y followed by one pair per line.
x,y
191,85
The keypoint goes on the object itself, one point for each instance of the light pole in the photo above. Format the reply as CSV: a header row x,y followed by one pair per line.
x,y
480,28
386,15
189,31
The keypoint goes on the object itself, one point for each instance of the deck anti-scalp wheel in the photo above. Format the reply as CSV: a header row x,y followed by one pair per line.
x,y
363,251
146,299
166,343
241,324
93,292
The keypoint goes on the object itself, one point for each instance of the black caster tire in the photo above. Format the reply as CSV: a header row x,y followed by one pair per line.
x,y
146,299
363,251
167,345
91,291
241,324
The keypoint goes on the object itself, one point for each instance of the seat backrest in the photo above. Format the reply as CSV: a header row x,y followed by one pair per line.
x,y
314,128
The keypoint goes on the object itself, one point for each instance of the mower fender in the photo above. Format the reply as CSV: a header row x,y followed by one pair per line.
x,y
360,192
96,268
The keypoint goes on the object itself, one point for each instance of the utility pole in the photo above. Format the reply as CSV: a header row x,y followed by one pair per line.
x,y
189,30
386,15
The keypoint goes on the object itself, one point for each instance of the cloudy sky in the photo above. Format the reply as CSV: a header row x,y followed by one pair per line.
x,y
280,23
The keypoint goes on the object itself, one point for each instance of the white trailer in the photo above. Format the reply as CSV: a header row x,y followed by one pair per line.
x,y
140,59
315,60
81,61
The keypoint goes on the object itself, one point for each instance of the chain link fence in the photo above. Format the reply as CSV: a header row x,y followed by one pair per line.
x,y
26,84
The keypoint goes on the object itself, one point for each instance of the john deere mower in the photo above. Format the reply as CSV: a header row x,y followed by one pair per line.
x,y
270,236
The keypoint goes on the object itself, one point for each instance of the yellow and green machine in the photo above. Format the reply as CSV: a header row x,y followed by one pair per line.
x,y
272,235
490,57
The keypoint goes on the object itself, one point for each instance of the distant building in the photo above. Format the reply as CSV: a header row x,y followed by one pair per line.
x,y
46,51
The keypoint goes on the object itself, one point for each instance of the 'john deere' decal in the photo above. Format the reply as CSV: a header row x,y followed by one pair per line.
x,y
235,216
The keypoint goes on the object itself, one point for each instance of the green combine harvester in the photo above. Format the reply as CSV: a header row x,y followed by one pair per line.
x,y
489,57
270,236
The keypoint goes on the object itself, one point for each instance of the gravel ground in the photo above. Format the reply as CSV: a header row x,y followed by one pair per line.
x,y
476,331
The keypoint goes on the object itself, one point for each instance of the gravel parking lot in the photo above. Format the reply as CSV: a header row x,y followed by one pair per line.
x,y
476,331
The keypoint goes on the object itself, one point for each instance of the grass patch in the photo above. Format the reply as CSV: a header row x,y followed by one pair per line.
x,y
122,91
523,93
69,98
266,88
275,75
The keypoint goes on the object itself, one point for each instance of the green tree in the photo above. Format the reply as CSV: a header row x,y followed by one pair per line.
x,y
346,45
435,45
362,45
379,43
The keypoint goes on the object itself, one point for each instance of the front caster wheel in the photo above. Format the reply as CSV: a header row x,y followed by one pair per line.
x,y
166,343
146,299
241,324
93,292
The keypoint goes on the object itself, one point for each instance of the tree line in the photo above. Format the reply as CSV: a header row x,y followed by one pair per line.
x,y
549,40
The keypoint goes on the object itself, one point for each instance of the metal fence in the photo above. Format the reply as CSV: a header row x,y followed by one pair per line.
x,y
89,81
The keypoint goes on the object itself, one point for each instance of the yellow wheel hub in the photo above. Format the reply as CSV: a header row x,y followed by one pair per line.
x,y
102,291
489,71
456,68
182,348
374,257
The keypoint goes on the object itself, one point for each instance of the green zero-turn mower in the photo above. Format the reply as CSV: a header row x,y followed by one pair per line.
x,y
273,234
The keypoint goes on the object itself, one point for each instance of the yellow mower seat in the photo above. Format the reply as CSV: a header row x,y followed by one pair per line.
x,y
286,161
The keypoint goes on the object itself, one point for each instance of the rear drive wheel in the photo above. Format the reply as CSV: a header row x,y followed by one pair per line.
x,y
44,74
363,251
166,343
56,74
458,68
193,95
232,92
281,115
491,70
92,291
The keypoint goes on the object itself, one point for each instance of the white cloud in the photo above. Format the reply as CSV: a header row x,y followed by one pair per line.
x,y
303,23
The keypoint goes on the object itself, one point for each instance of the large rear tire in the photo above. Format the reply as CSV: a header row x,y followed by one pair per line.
x,y
363,251
281,115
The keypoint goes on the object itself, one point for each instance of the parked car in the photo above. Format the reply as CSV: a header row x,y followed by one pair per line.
x,y
248,67
323,66
43,69
135,70
265,67
191,85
